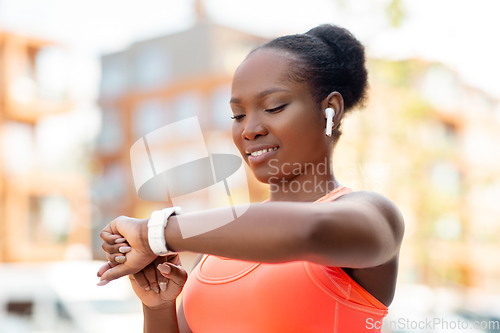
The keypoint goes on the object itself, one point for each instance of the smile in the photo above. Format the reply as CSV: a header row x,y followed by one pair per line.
x,y
260,152
259,156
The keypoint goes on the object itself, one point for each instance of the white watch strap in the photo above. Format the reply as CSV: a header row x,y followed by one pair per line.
x,y
156,229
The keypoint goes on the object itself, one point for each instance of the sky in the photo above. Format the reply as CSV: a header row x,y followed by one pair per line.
x,y
462,34
459,33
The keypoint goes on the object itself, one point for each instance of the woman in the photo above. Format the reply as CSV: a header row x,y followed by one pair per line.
x,y
286,265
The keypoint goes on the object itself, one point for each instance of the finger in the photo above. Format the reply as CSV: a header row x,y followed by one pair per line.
x,y
121,241
141,280
150,274
116,248
162,281
124,249
173,258
104,268
174,273
117,258
116,272
177,279
111,238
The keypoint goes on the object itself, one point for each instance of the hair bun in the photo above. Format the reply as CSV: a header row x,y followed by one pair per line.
x,y
329,58
348,55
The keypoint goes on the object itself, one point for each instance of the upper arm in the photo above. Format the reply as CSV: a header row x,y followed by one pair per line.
x,y
358,230
181,317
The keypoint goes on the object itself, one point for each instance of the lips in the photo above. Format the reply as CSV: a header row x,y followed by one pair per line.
x,y
258,154
260,149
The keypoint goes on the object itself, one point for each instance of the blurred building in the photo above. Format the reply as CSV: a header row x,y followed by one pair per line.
x,y
43,214
431,143
158,82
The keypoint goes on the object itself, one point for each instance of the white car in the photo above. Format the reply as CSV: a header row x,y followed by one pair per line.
x,y
63,297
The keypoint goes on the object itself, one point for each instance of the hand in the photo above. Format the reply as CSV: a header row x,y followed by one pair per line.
x,y
139,254
155,287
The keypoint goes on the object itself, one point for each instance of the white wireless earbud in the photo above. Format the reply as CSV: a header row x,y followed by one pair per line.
x,y
329,114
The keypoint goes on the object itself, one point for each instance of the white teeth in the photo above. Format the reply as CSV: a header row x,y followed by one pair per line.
x,y
260,152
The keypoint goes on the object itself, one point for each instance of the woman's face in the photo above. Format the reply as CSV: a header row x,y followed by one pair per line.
x,y
276,114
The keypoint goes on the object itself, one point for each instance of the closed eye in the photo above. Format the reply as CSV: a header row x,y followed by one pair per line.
x,y
279,108
239,117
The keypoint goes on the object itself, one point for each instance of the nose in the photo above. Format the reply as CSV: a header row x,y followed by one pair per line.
x,y
253,128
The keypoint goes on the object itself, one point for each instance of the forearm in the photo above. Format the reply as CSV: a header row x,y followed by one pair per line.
x,y
161,320
271,232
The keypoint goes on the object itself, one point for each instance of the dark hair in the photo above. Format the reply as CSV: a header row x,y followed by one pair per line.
x,y
329,58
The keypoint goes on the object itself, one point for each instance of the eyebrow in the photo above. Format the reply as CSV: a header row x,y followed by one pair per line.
x,y
235,100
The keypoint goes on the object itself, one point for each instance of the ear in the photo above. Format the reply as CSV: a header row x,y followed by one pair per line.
x,y
335,101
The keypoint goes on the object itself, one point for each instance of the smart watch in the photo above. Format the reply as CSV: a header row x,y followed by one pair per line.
x,y
156,230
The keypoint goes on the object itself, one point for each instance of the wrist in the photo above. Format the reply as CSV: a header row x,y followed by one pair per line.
x,y
169,230
161,308
144,237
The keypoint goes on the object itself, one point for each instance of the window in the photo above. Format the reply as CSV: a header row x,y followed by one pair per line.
x,y
111,186
114,76
18,149
151,66
148,116
49,219
187,105
111,136
446,177
23,87
20,308
51,73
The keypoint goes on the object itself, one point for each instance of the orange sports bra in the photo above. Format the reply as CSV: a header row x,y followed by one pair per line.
x,y
224,295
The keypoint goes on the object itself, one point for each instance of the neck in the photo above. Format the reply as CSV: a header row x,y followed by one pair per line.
x,y
308,186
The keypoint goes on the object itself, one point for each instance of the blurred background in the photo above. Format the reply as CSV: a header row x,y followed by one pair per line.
x,y
81,81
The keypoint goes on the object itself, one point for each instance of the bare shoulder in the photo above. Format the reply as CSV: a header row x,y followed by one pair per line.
x,y
377,203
